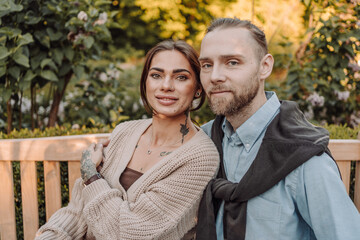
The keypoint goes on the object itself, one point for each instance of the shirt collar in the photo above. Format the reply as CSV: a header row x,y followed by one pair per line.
x,y
250,130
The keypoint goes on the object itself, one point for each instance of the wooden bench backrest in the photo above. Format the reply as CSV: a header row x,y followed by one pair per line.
x,y
53,150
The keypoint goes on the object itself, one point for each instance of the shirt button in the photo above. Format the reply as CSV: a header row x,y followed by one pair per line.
x,y
247,145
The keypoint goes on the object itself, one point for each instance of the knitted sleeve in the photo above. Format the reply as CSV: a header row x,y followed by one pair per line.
x,y
67,223
165,209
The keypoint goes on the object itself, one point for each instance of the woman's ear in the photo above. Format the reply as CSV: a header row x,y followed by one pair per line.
x,y
198,93
266,66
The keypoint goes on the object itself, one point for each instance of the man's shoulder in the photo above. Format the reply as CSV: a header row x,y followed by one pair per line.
x,y
207,127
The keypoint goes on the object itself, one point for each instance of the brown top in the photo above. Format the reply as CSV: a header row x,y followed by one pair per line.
x,y
128,177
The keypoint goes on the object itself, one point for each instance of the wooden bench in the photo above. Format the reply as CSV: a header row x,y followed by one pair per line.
x,y
52,150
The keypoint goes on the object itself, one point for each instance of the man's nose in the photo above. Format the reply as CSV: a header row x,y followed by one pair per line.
x,y
217,74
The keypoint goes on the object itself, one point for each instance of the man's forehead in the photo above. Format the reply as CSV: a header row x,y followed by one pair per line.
x,y
227,41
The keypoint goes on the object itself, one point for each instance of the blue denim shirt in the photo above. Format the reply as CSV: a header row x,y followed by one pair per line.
x,y
310,203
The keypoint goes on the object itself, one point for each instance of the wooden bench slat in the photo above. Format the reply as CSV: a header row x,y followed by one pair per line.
x,y
342,149
29,199
357,186
48,148
345,167
7,205
52,187
74,173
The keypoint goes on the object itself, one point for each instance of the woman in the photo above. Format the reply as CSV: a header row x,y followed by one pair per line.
x,y
154,170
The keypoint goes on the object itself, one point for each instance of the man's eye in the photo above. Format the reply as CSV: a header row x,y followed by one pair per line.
x,y
206,65
233,63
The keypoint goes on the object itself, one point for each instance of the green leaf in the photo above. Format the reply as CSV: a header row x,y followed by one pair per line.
x,y
49,75
6,94
69,53
332,60
292,77
24,39
36,60
79,71
349,49
99,3
52,35
10,32
9,6
64,69
88,42
29,76
48,62
43,38
57,55
4,53
30,18
24,85
14,72
2,40
2,70
21,59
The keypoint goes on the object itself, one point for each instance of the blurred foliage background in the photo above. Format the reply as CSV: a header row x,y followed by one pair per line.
x,y
78,62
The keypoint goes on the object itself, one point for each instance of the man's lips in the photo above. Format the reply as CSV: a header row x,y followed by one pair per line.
x,y
219,92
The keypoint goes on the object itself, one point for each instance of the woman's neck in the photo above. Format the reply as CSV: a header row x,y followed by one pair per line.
x,y
171,131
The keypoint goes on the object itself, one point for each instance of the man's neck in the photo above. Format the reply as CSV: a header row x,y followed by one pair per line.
x,y
237,119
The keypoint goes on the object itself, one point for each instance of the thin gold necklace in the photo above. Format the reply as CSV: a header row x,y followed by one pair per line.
x,y
163,153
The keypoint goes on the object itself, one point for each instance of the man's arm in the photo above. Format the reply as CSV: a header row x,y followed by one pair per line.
x,y
324,203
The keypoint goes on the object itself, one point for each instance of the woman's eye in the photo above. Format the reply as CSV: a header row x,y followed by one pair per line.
x,y
182,77
155,75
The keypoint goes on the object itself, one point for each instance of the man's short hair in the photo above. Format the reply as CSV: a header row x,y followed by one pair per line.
x,y
256,33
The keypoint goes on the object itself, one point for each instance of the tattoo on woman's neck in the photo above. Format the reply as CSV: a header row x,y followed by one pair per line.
x,y
184,129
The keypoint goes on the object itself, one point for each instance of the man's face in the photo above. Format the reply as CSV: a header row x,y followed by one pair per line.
x,y
230,70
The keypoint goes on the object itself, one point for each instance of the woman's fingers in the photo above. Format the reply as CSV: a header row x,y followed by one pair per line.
x,y
92,146
98,146
105,142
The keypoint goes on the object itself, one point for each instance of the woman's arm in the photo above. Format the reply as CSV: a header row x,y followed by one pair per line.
x,y
167,207
67,223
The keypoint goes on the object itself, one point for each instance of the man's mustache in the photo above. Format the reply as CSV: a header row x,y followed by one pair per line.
x,y
219,88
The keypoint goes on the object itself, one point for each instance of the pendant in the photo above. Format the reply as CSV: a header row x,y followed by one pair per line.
x,y
149,151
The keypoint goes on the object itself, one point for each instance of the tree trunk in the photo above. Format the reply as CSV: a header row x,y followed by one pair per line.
x,y
9,116
33,105
20,113
58,95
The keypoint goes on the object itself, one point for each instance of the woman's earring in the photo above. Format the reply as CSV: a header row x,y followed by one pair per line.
x,y
197,94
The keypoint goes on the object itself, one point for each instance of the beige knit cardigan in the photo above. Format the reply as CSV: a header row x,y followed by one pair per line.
x,y
161,204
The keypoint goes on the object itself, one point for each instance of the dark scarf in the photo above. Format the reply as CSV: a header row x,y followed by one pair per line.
x,y
289,141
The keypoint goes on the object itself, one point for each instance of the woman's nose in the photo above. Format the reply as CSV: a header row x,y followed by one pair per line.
x,y
167,84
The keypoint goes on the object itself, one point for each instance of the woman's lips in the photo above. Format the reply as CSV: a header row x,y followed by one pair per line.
x,y
166,100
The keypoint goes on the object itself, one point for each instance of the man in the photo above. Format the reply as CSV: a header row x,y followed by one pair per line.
x,y
277,179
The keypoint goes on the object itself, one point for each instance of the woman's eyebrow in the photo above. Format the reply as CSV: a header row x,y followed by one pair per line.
x,y
157,69
181,70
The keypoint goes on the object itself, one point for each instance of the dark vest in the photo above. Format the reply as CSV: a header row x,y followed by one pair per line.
x,y
289,141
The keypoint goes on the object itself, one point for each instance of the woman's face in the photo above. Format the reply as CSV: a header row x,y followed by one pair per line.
x,y
170,84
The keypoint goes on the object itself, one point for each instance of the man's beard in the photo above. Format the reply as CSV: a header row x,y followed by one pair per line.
x,y
240,100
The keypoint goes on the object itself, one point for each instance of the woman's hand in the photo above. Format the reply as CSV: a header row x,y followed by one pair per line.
x,y
90,159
